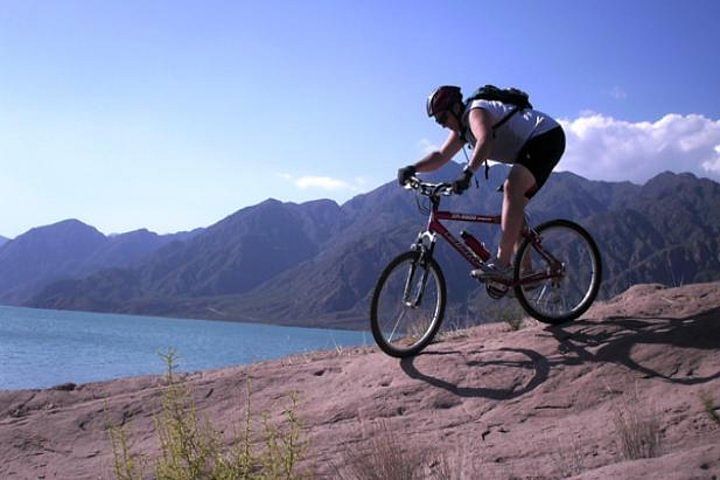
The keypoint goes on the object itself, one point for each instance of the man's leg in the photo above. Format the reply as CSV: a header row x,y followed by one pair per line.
x,y
519,181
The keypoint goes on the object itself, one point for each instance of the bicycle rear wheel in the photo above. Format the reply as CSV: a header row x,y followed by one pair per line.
x,y
570,261
408,304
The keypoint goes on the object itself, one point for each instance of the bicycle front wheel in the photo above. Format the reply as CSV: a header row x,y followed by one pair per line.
x,y
559,276
408,304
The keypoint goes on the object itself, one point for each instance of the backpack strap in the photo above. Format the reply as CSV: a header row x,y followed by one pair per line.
x,y
505,118
494,128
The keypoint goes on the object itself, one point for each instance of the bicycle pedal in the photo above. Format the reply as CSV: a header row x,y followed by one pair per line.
x,y
496,293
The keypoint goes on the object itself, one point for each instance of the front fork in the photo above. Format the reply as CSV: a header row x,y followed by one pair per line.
x,y
425,245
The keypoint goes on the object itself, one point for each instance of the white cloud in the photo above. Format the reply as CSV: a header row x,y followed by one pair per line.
x,y
324,183
713,165
308,182
603,148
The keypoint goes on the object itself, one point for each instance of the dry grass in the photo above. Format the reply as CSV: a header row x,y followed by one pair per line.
x,y
457,467
383,457
637,428
569,458
708,403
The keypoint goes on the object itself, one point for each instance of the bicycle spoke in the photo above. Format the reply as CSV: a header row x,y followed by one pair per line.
x,y
418,288
574,280
392,334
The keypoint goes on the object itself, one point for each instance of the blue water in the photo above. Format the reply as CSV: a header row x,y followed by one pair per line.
x,y
43,348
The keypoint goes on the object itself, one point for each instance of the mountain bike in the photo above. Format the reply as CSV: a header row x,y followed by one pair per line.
x,y
556,275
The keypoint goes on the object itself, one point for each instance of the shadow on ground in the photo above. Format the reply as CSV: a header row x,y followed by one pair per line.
x,y
585,342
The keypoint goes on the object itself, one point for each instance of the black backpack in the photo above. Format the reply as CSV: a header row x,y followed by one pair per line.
x,y
511,96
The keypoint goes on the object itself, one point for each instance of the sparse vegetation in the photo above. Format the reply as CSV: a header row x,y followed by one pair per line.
x,y
708,403
505,310
383,457
125,465
514,317
638,429
457,467
191,448
569,459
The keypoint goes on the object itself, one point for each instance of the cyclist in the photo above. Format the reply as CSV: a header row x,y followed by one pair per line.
x,y
530,140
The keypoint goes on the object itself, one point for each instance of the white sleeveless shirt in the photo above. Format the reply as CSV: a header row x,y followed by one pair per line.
x,y
513,134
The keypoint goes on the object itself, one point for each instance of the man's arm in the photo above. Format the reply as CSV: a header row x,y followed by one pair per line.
x,y
438,158
481,127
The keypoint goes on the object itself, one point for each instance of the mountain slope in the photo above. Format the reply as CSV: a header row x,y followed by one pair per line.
x,y
244,268
43,255
645,234
490,403
70,249
231,257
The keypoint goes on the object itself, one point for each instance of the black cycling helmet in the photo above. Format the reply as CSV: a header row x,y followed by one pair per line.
x,y
442,99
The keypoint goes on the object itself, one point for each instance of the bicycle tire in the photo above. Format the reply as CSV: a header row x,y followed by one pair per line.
x,y
377,309
588,292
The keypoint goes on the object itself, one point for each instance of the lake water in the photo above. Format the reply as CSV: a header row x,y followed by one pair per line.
x,y
43,348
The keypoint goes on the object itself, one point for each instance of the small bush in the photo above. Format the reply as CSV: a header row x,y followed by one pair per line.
x,y
126,466
709,405
191,448
509,312
638,430
383,457
514,318
569,458
459,466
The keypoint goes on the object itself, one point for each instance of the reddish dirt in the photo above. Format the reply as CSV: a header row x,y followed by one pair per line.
x,y
538,403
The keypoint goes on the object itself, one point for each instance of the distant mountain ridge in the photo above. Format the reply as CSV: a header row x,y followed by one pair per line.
x,y
3,240
316,263
69,249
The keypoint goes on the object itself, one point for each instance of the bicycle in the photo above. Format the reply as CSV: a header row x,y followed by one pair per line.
x,y
556,275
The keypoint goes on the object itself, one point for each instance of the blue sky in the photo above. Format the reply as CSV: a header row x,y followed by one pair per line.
x,y
171,115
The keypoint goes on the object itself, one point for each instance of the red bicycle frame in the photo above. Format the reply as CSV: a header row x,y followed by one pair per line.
x,y
436,227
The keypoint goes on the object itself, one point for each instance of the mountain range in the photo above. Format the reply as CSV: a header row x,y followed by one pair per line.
x,y
70,249
316,263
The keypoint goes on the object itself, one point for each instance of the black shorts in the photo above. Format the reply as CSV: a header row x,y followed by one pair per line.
x,y
540,155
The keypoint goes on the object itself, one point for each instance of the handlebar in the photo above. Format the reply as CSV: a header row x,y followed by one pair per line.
x,y
429,189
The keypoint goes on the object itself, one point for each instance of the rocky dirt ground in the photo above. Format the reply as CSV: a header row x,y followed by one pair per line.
x,y
538,403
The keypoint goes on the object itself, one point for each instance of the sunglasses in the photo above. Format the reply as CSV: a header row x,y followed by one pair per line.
x,y
441,117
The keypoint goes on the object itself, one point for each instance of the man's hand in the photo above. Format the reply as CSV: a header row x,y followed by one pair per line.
x,y
463,181
405,173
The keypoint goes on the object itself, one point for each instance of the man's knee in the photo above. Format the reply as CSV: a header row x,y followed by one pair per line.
x,y
515,190
519,182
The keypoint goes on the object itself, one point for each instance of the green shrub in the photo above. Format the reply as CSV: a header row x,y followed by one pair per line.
x,y
709,405
191,448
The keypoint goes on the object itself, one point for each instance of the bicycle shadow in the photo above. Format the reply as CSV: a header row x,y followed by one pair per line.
x,y
700,331
608,341
535,361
